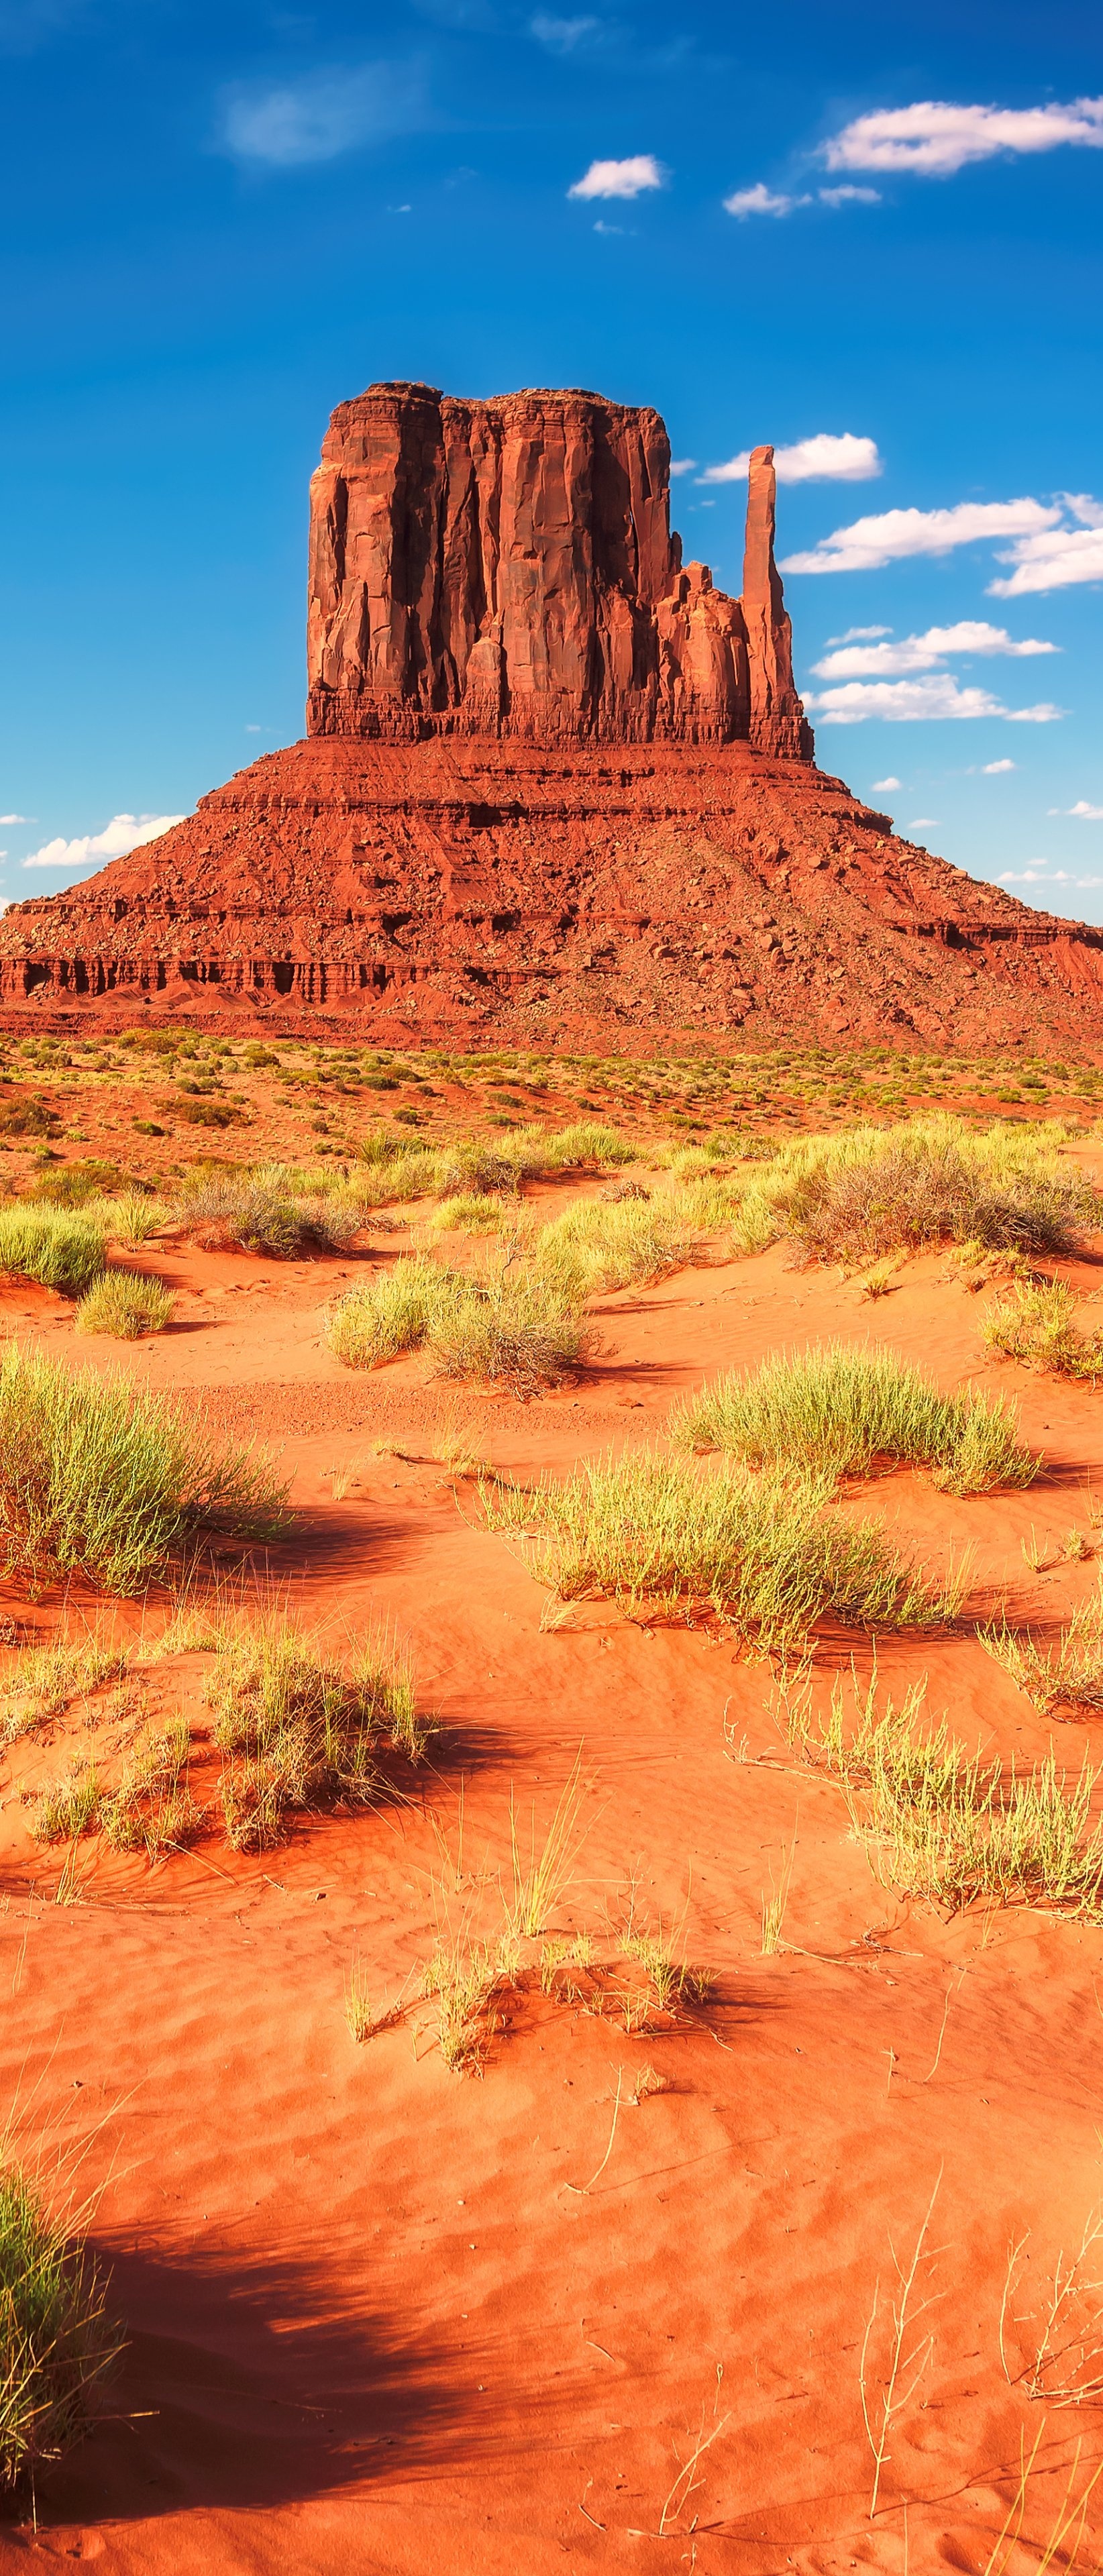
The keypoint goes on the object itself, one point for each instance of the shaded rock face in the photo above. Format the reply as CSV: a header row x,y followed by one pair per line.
x,y
508,568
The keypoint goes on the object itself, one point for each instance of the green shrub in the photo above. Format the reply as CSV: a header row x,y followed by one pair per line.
x,y
125,1306
100,1481
60,1251
768,1552
265,1212
847,1411
56,2340
1034,1321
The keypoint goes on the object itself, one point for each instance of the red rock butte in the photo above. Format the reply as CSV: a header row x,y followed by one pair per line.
x,y
555,786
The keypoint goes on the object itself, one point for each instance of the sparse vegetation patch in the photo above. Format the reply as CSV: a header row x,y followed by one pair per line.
x,y
845,1411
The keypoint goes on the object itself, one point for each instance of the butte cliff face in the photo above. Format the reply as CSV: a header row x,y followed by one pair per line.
x,y
555,787
507,568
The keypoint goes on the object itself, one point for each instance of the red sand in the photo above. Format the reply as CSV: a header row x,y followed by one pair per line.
x,y
372,2325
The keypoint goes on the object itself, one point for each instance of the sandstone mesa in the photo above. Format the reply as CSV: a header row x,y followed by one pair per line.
x,y
554,785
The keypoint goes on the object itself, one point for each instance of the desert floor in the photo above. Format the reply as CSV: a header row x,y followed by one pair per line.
x,y
381,2315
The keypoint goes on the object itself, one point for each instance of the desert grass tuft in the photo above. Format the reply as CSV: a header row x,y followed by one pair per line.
x,y
299,1729
845,1411
768,1552
45,1680
105,1482
152,1809
1065,1674
52,1246
390,1313
1034,1322
56,2339
940,1823
125,1306
516,1331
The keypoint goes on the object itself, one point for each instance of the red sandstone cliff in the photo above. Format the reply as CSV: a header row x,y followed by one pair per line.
x,y
508,568
554,786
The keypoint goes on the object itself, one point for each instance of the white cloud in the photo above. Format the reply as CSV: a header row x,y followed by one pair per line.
x,y
682,465
823,458
561,35
761,200
924,823
884,786
934,138
917,701
1086,813
850,196
859,634
321,116
996,768
123,833
891,535
1083,507
1051,560
925,652
5,819
1089,881
1037,876
620,178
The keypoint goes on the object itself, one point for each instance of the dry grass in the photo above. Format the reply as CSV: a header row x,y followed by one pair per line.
x,y
1066,1674
49,1245
941,1823
844,1412
125,1306
56,2339
768,1552
104,1482
854,1197
266,1211
508,1327
300,1730
1035,1322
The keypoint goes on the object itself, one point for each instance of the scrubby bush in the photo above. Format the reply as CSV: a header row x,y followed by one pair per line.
x,y
768,1552
264,1211
847,1411
851,1197
512,1328
125,1306
56,2339
58,1250
104,1482
518,1332
1035,1321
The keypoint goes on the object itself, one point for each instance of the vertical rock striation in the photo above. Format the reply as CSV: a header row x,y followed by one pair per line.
x,y
508,568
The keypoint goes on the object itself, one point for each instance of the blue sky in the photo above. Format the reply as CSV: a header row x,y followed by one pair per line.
x,y
220,222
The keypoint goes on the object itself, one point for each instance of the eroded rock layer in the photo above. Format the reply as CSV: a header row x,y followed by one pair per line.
x,y
508,568
456,888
